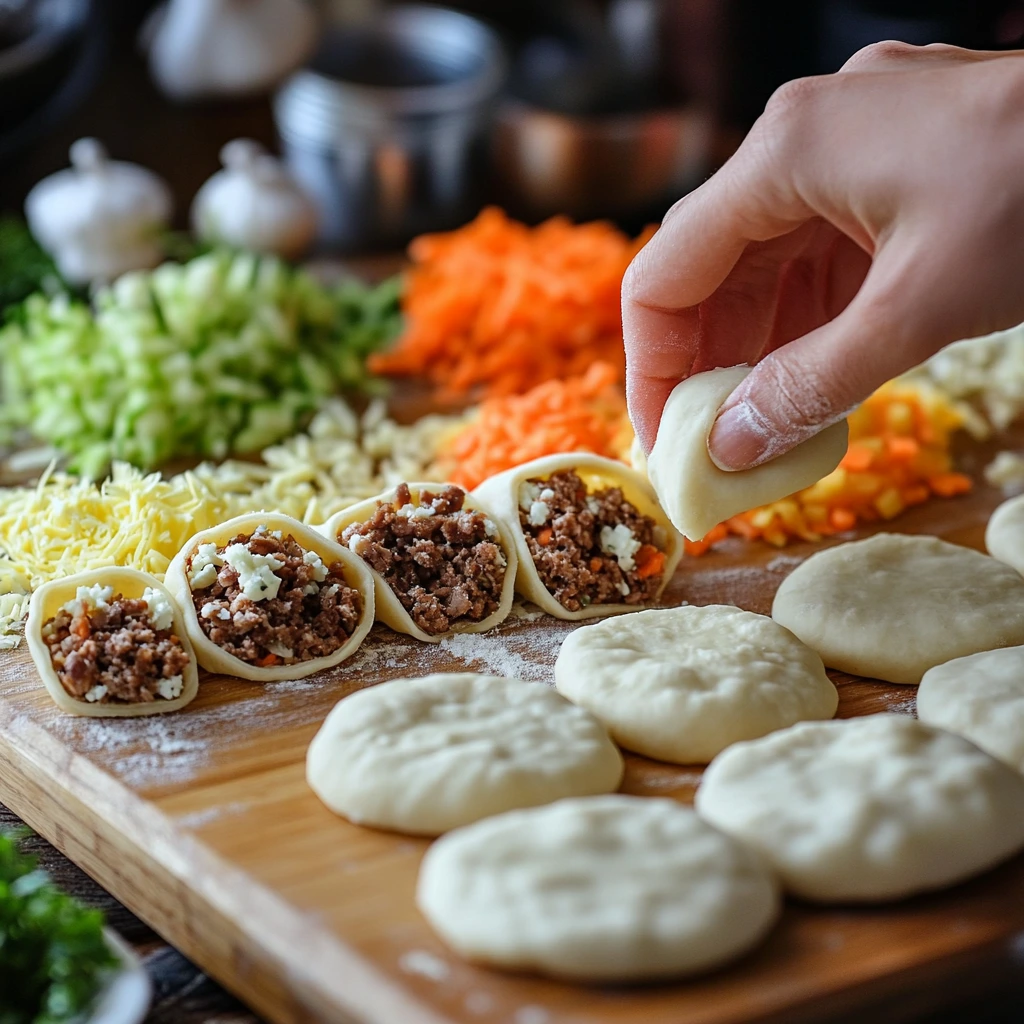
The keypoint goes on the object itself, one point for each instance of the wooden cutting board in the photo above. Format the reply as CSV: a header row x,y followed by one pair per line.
x,y
202,824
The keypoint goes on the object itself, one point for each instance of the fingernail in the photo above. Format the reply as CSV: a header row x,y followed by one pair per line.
x,y
737,441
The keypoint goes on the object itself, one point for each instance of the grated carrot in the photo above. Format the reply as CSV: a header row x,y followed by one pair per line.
x,y
899,456
586,413
497,307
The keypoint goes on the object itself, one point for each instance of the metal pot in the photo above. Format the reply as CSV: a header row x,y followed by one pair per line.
x,y
622,165
381,127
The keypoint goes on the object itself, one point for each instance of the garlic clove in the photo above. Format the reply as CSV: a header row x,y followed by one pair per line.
x,y
100,217
204,48
254,204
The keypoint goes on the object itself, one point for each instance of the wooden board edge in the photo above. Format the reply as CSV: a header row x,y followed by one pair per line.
x,y
189,895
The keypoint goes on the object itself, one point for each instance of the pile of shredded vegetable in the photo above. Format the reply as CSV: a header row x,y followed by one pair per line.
x,y
585,413
899,455
498,307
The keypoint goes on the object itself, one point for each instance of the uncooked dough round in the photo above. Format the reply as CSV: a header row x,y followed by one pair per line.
x,y
893,606
1004,535
980,697
681,684
426,755
612,888
866,809
695,493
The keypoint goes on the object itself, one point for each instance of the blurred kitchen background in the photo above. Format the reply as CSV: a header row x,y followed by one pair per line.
x,y
396,119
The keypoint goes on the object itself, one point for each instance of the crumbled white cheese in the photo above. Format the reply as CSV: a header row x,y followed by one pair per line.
x,y
415,511
528,494
332,590
490,528
358,543
547,494
256,577
620,543
171,688
623,588
311,558
280,650
276,534
95,694
310,589
205,564
593,506
539,513
212,609
161,611
96,596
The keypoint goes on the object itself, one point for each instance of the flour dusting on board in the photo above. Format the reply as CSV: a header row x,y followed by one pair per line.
x,y
163,750
426,965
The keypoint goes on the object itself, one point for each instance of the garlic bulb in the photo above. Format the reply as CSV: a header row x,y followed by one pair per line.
x,y
100,217
200,48
254,203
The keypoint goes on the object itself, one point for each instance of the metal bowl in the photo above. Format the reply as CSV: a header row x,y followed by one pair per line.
x,y
380,128
624,165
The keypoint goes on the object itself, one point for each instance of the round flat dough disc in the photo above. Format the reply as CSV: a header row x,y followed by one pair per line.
x,y
893,606
866,809
695,493
980,697
426,755
612,888
1004,535
682,684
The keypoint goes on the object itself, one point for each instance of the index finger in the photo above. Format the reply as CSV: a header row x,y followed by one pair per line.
x,y
700,241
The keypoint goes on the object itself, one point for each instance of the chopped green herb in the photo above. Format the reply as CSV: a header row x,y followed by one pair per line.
x,y
226,353
53,956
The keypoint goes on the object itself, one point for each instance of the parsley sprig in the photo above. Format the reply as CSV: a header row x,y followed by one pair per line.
x,y
53,956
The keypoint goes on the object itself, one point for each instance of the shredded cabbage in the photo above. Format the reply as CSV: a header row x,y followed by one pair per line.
x,y
225,353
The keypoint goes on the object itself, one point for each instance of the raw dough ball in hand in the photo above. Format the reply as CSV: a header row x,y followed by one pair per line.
x,y
893,606
866,809
695,493
980,697
1004,535
427,755
613,888
681,684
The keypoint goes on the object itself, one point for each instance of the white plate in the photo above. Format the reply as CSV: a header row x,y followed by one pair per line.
x,y
125,1000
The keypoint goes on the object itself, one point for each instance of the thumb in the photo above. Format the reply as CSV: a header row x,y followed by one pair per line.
x,y
891,325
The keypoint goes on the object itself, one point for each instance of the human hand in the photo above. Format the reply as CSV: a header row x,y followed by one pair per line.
x,y
868,219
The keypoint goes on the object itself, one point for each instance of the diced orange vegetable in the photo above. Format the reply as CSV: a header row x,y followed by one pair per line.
x,y
899,455
266,662
544,537
586,413
649,561
497,307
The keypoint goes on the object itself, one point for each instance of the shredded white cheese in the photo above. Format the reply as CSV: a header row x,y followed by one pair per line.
x,y
96,693
621,544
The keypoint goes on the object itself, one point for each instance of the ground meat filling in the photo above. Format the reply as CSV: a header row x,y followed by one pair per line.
x,y
112,652
590,548
443,561
268,601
